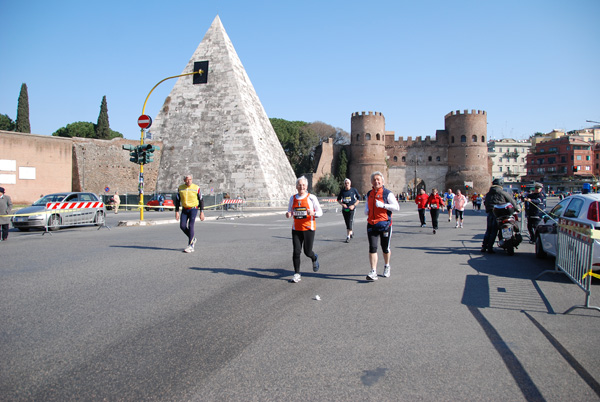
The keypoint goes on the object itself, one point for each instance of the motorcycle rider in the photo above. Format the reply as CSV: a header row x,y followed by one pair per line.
x,y
495,196
534,209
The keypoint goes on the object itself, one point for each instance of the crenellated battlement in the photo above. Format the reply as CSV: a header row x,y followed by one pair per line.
x,y
465,112
409,142
357,114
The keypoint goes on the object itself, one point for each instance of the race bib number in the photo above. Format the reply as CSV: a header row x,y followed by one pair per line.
x,y
347,200
300,213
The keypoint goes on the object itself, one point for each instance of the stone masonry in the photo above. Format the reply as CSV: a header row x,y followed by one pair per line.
x,y
219,131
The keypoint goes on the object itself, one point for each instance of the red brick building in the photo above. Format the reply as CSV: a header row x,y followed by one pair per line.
x,y
567,156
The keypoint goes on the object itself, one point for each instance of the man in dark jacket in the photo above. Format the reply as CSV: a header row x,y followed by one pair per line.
x,y
495,196
536,203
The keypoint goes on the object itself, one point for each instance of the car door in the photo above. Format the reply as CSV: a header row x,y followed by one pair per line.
x,y
69,216
87,215
549,235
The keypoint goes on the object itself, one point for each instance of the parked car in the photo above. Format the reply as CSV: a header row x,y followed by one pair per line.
x,y
38,217
154,202
582,208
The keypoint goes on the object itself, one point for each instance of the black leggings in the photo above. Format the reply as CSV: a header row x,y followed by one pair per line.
x,y
374,237
348,218
300,237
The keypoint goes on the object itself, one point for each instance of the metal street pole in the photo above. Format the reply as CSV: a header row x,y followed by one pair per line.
x,y
141,182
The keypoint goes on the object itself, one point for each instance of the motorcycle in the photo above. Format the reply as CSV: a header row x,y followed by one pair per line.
x,y
509,235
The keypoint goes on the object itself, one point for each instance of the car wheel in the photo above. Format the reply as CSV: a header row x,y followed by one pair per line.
x,y
54,222
99,218
147,209
539,249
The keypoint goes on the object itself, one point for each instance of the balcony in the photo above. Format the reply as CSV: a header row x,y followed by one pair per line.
x,y
510,174
511,154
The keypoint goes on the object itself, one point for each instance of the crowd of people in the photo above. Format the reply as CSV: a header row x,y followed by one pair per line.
x,y
380,203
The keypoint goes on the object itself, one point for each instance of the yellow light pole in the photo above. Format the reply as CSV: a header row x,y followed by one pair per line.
x,y
197,70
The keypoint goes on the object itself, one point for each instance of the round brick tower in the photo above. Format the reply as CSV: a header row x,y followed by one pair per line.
x,y
367,149
467,151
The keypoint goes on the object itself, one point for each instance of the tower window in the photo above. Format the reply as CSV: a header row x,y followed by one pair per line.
x,y
430,159
357,137
368,137
404,159
463,138
378,137
482,138
437,158
474,138
395,159
452,139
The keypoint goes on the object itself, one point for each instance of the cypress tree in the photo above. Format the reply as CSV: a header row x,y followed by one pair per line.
x,y
23,125
103,128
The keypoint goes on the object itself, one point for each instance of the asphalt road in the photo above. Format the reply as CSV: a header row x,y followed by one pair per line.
x,y
123,314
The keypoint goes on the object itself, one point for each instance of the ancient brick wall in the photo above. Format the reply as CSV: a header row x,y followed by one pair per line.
x,y
98,164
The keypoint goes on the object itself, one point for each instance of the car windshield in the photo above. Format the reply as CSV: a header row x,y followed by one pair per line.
x,y
50,198
559,208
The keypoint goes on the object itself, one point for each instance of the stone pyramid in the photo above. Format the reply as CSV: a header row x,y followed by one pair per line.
x,y
219,132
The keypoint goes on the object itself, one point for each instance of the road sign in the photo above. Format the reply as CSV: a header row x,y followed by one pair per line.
x,y
144,121
107,189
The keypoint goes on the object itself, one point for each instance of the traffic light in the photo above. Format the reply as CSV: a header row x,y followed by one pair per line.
x,y
133,154
467,186
150,153
146,153
202,76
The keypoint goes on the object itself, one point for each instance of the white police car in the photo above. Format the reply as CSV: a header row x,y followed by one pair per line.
x,y
582,208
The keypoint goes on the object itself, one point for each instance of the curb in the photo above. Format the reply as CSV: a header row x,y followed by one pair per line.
x,y
210,218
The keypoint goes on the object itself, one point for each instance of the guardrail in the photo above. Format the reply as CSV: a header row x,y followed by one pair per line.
x,y
575,252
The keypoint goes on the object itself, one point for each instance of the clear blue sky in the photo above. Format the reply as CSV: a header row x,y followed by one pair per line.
x,y
532,65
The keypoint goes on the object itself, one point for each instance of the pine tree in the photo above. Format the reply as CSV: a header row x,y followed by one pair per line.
x,y
342,166
103,128
23,125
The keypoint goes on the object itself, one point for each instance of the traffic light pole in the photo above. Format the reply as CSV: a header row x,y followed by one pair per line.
x,y
141,181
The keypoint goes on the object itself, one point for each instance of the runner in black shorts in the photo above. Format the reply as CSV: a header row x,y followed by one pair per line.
x,y
348,199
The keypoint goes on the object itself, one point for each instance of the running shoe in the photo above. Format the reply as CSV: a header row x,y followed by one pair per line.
x,y
433,231
372,276
295,279
348,239
352,235
456,227
188,249
386,271
316,263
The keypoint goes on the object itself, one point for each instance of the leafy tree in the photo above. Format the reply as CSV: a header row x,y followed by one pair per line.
x,y
325,131
299,142
81,129
342,166
6,123
23,125
102,127
326,186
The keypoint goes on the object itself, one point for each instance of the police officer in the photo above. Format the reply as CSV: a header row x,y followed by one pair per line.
x,y
534,208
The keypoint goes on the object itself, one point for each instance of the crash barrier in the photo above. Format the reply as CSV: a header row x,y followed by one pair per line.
x,y
77,213
574,257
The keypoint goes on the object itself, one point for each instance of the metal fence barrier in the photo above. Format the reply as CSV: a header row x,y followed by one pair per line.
x,y
575,251
77,213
